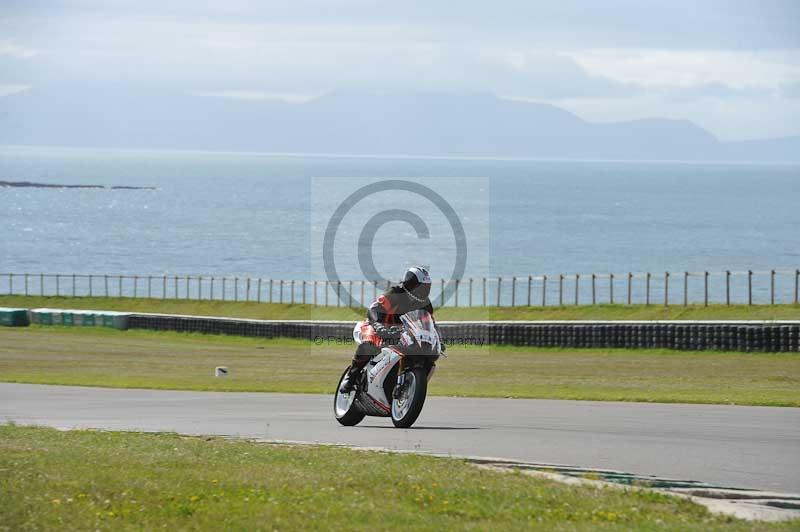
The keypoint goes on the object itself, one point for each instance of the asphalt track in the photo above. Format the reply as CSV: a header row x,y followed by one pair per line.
x,y
734,446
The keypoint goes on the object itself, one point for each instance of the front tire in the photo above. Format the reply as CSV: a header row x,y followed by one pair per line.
x,y
407,407
344,405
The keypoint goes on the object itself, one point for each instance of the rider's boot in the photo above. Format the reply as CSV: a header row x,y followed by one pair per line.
x,y
349,381
362,355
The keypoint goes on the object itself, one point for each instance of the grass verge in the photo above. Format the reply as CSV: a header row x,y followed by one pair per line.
x,y
169,360
274,311
156,481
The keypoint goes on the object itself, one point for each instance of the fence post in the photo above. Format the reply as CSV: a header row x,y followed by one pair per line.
x,y
530,283
259,290
280,292
211,289
188,282
135,285
470,292
513,290
149,287
499,284
315,293
73,285
484,291
247,292
291,292
11,284
796,286
647,289
327,289
119,285
441,296
458,283
105,285
749,287
164,288
175,288
666,289
611,288
772,287
200,287
560,289
685,288
728,287
224,290
630,282
338,292
26,284
577,280
705,289
41,284
544,290
90,285
236,289
374,290
594,277
270,292
58,284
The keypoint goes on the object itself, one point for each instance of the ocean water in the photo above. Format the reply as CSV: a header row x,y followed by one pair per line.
x,y
266,216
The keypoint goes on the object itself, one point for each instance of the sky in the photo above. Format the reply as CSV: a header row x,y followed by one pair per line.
x,y
731,66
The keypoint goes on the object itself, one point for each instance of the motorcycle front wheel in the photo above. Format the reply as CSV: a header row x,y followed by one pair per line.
x,y
407,406
344,405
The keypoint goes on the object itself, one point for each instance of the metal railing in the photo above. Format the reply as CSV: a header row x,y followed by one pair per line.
x,y
665,288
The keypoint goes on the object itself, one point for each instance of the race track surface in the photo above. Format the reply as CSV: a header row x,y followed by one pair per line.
x,y
735,446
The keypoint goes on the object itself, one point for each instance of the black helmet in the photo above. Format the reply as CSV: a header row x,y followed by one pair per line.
x,y
417,283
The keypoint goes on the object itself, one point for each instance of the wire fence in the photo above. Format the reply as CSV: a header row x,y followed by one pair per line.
x,y
665,288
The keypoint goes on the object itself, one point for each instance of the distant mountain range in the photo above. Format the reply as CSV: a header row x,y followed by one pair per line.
x,y
424,124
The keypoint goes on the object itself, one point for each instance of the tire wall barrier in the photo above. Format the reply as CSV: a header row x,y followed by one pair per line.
x,y
14,317
79,318
722,336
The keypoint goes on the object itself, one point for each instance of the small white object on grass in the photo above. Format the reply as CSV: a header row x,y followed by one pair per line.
x,y
221,371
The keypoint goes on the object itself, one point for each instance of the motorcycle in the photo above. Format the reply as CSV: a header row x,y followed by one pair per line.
x,y
394,383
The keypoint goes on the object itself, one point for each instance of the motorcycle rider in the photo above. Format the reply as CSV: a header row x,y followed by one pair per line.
x,y
383,324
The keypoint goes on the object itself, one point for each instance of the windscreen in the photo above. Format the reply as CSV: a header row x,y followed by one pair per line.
x,y
420,327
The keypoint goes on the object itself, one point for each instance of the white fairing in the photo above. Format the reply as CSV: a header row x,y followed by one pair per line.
x,y
376,376
419,331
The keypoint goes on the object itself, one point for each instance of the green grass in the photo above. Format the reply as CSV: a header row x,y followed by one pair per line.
x,y
87,480
305,312
168,360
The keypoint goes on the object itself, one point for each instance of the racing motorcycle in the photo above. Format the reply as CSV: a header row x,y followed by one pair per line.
x,y
394,382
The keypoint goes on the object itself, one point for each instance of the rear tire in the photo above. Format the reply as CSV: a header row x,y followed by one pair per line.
x,y
347,414
404,415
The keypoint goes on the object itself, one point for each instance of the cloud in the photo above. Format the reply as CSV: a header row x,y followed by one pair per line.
x,y
7,48
7,90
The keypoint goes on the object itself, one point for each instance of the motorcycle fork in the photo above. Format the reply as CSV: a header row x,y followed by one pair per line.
x,y
401,379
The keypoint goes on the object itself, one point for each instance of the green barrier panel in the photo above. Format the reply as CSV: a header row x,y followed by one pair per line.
x,y
14,317
79,318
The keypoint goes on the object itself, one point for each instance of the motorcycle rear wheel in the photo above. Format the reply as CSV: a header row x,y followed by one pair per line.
x,y
407,407
344,406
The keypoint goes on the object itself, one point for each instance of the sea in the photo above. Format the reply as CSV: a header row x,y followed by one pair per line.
x,y
316,217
